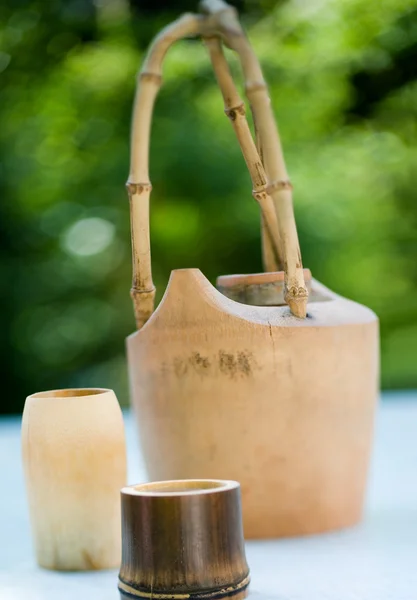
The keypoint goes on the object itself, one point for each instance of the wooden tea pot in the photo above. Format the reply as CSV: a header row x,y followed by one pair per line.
x,y
249,381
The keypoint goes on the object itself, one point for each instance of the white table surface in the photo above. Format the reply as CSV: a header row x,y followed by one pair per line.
x,y
374,561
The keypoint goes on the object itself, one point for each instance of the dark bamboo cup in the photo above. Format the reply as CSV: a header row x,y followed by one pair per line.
x,y
183,539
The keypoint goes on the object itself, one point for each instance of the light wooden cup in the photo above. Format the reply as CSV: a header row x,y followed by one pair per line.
x,y
74,459
251,393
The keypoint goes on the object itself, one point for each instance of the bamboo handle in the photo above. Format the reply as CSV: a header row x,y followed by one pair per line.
x,y
271,185
278,184
266,241
138,185
234,108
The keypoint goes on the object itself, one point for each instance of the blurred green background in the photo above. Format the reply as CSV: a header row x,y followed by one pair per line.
x,y
343,79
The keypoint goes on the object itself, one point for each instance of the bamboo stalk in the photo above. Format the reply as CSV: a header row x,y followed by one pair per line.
x,y
269,256
278,184
266,242
234,108
138,185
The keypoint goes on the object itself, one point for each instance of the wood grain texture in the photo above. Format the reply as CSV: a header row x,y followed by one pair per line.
x,y
283,405
183,539
75,464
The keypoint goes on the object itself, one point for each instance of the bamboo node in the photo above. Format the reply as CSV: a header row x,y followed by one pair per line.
x,y
143,304
260,193
257,86
296,292
280,184
150,77
138,188
296,297
134,291
235,110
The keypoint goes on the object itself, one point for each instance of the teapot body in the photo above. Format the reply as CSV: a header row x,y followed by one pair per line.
x,y
283,405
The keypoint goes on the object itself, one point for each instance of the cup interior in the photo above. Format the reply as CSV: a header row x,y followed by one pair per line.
x,y
70,393
181,486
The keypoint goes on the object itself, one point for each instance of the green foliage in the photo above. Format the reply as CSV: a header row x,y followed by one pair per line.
x,y
345,98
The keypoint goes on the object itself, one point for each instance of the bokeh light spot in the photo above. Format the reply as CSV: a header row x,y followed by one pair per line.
x,y
88,236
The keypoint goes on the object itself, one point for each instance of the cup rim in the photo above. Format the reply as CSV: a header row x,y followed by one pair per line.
x,y
67,393
150,489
